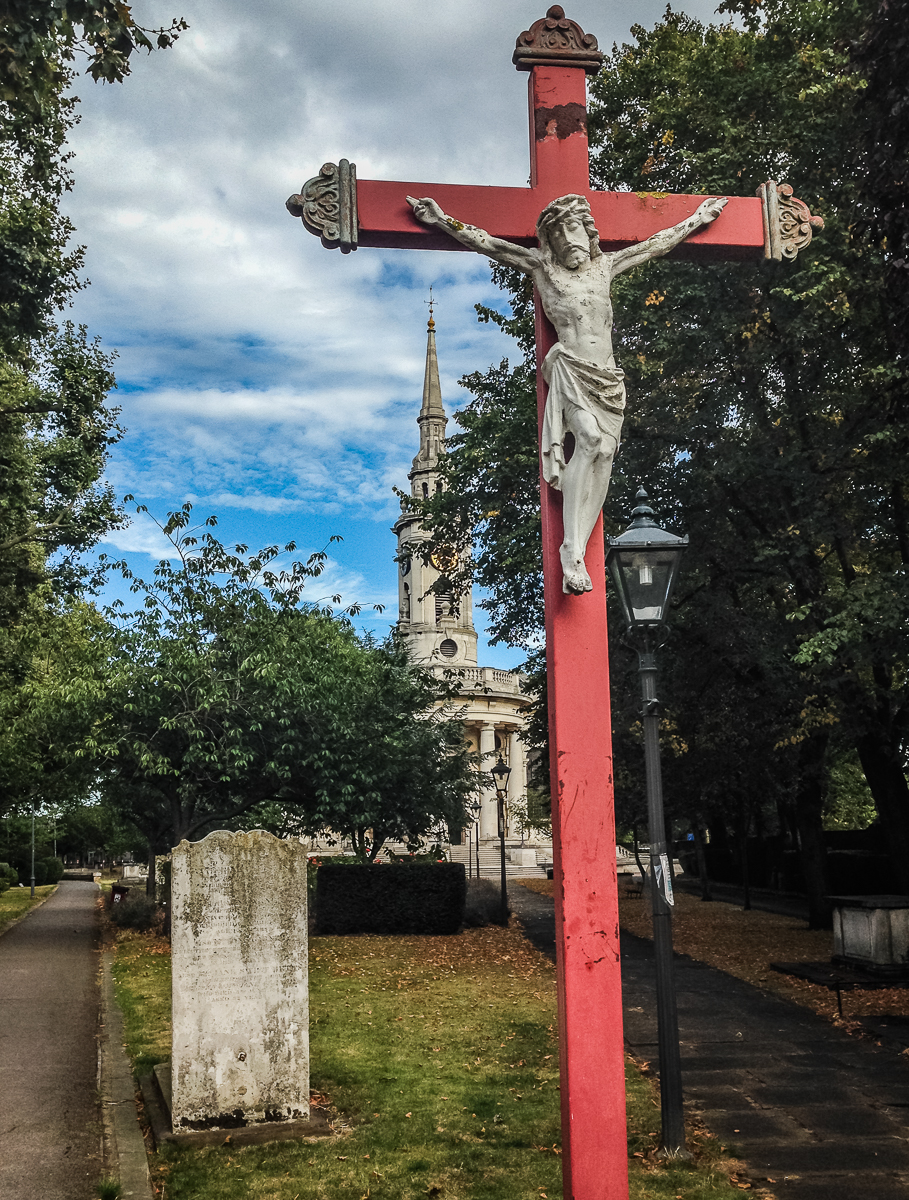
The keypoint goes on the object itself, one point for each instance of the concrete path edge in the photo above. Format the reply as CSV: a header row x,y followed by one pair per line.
x,y
124,1145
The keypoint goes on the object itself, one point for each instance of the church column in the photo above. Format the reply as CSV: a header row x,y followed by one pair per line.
x,y
517,780
488,819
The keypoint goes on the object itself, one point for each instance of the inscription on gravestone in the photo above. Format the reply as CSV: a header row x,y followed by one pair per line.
x,y
240,981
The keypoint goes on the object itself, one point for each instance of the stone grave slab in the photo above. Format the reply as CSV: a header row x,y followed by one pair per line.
x,y
240,982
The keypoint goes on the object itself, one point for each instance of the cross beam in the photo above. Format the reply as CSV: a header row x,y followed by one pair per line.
x,y
346,213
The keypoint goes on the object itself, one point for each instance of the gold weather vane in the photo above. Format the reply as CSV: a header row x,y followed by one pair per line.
x,y
431,303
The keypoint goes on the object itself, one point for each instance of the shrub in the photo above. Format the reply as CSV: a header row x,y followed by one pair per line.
x,y
53,870
136,911
402,898
484,902
10,874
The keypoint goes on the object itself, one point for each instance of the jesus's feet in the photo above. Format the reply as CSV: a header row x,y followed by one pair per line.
x,y
574,574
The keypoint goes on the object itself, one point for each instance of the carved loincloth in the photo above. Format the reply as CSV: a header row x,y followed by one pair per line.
x,y
577,385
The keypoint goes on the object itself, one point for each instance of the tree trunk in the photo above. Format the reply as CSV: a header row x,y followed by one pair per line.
x,y
702,859
150,880
743,860
887,782
809,807
379,838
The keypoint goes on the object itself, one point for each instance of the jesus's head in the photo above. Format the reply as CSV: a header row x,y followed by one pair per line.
x,y
567,232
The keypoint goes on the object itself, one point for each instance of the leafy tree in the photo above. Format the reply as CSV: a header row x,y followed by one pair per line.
x,y
50,666
55,434
39,43
56,427
764,404
228,702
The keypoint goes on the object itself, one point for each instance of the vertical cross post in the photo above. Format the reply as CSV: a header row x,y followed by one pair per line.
x,y
592,1058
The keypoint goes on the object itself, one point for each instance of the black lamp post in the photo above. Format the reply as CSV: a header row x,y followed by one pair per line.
x,y
500,773
473,837
643,563
33,850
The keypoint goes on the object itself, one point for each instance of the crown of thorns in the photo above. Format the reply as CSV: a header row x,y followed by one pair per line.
x,y
569,206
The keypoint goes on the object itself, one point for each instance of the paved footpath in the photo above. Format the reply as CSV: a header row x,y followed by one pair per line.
x,y
50,1130
820,1114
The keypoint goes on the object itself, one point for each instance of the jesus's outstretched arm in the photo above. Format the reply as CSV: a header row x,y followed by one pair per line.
x,y
667,239
510,254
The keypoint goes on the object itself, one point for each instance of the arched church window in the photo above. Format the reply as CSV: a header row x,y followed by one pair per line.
x,y
425,491
443,606
405,603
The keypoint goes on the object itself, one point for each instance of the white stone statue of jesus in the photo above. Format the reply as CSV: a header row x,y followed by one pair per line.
x,y
586,388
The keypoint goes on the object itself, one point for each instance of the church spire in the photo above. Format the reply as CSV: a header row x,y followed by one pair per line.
x,y
432,419
432,392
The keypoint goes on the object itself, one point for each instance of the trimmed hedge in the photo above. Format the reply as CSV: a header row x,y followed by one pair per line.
x,y
393,898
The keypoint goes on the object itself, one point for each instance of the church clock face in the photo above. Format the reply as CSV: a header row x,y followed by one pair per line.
x,y
405,566
444,559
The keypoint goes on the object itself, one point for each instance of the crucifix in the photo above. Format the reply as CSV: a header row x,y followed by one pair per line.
x,y
571,240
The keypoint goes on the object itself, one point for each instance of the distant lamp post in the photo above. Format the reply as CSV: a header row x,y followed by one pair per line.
x,y
33,850
500,773
473,836
643,563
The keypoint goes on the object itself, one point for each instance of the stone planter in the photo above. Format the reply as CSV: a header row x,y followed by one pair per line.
x,y
872,932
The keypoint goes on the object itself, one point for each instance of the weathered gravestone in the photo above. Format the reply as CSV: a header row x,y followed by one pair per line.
x,y
240,982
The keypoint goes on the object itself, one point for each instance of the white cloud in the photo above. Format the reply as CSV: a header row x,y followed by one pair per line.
x,y
261,373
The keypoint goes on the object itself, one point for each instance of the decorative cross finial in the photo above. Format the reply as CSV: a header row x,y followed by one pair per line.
x,y
430,302
556,41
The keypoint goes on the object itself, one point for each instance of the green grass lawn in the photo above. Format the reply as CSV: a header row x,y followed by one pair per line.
x,y
16,901
437,1057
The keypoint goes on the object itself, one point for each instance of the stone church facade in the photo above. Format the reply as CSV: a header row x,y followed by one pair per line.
x,y
442,636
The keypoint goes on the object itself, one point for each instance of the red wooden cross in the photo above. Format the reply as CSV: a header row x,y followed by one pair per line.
x,y
347,212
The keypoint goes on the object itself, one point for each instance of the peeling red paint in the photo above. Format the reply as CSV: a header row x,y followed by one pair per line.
x,y
560,121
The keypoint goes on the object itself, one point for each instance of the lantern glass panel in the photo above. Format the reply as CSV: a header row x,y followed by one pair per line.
x,y
646,581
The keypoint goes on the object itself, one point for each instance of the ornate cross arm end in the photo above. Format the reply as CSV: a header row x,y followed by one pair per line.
x,y
788,223
555,41
327,205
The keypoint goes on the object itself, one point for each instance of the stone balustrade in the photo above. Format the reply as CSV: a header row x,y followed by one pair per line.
x,y
476,678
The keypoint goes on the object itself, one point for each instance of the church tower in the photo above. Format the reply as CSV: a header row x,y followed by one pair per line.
x,y
439,632
441,636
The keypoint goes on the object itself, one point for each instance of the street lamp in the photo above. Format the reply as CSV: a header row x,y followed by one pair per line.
x,y
500,773
643,563
473,836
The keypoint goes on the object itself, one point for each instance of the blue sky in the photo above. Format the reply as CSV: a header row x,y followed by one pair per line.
x,y
263,378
